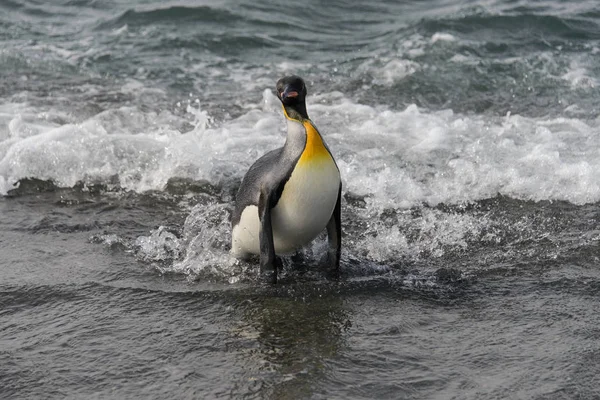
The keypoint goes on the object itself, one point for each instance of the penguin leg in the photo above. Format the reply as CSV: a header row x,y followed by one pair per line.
x,y
334,234
268,259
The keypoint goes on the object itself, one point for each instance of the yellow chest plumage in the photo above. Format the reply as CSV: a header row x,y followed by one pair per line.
x,y
309,196
315,150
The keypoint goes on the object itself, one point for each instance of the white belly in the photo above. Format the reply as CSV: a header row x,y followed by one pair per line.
x,y
302,212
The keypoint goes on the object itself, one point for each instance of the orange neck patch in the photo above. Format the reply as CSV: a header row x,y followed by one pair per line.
x,y
315,149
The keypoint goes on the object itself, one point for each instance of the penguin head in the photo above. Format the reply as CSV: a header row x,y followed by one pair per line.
x,y
291,90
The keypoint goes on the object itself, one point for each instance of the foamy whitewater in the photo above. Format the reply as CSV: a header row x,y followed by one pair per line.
x,y
468,141
391,159
395,158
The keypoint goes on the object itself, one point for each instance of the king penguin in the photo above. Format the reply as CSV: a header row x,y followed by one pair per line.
x,y
291,194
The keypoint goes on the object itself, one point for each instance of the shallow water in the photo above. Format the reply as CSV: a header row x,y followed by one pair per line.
x,y
467,137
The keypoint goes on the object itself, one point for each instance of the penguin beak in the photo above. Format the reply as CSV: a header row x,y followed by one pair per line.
x,y
288,93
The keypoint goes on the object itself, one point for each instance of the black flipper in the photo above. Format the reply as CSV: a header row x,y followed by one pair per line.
x,y
268,259
334,234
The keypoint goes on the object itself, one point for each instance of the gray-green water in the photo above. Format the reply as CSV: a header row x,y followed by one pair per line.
x,y
468,138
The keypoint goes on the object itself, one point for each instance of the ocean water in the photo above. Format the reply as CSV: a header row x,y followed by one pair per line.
x,y
468,138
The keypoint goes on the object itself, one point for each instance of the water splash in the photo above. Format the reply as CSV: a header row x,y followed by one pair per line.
x,y
161,245
206,243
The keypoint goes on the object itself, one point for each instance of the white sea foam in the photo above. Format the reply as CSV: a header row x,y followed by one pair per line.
x,y
395,158
431,233
205,239
388,70
578,76
443,37
397,69
462,59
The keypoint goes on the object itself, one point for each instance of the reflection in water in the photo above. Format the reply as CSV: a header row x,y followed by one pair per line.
x,y
284,343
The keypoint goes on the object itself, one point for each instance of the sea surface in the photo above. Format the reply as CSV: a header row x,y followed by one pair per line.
x,y
467,134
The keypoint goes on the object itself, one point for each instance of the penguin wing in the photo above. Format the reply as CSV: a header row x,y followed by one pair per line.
x,y
270,173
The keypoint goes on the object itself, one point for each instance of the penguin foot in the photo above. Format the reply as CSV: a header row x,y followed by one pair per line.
x,y
333,262
334,274
268,271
